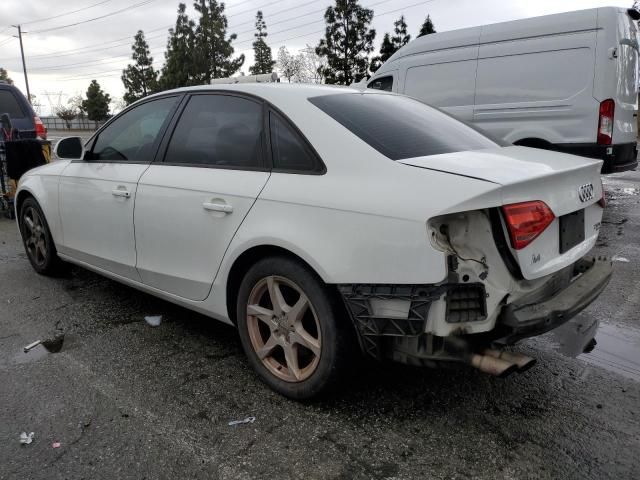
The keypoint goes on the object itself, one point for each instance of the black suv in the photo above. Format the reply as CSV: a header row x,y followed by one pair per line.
x,y
22,116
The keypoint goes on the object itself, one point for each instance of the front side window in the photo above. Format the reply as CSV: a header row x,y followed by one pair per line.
x,y
382,83
132,136
288,149
218,131
400,127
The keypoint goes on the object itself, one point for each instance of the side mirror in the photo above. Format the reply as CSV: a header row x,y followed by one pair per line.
x,y
70,148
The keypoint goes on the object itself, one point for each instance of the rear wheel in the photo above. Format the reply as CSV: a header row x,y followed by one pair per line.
x,y
37,239
291,328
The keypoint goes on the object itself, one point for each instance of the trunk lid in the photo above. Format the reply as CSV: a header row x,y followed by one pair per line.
x,y
528,174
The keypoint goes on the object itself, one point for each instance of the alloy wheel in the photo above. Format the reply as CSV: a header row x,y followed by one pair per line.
x,y
35,236
284,328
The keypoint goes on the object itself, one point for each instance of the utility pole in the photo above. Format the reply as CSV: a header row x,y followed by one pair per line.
x,y
24,65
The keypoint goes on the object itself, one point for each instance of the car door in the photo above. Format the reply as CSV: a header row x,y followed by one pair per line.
x,y
97,193
190,204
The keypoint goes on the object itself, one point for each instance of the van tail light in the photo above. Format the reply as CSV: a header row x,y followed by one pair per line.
x,y
41,130
602,202
525,221
605,122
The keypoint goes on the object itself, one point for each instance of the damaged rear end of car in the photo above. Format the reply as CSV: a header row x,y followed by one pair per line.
x,y
517,266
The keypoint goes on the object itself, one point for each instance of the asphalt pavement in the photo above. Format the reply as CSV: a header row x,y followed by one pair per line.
x,y
113,397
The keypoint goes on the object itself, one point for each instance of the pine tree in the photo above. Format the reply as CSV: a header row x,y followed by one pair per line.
x,y
4,75
263,63
97,102
427,27
348,42
391,45
213,48
140,79
179,58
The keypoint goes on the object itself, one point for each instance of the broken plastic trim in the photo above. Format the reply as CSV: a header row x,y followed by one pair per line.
x,y
372,328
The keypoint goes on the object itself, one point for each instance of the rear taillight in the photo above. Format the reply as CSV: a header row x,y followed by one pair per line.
x,y
605,122
525,221
41,130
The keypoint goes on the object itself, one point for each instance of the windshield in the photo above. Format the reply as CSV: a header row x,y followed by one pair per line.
x,y
400,127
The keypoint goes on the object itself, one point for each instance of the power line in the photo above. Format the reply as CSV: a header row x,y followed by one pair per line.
x,y
279,42
66,13
4,42
88,48
282,11
110,14
92,75
238,4
304,15
255,9
103,61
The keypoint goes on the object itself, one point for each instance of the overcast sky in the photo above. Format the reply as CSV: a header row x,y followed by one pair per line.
x,y
61,62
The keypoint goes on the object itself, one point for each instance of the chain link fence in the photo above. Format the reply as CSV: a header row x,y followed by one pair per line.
x,y
56,123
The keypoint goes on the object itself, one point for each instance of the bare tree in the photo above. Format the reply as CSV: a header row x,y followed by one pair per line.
x,y
119,104
288,64
67,114
311,65
75,102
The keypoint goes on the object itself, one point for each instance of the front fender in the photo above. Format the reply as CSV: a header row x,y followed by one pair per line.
x,y
42,184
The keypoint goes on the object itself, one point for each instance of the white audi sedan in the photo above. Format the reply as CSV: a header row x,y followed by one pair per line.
x,y
325,223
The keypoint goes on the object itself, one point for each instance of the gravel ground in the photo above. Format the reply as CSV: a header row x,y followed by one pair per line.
x,y
126,400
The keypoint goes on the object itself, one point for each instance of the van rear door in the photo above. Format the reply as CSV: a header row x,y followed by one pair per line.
x,y
626,96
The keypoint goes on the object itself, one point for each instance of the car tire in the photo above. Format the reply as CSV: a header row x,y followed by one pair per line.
x,y
37,240
301,343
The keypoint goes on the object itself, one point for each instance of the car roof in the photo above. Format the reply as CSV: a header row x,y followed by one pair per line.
x,y
276,93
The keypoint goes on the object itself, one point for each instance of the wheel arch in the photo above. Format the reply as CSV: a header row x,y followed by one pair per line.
x,y
534,142
21,197
248,258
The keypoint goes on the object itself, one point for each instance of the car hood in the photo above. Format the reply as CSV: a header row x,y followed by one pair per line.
x,y
505,165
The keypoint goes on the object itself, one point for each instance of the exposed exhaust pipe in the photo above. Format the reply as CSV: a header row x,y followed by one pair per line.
x,y
523,362
492,365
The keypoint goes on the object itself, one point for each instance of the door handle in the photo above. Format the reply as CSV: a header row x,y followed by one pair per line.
x,y
217,207
120,192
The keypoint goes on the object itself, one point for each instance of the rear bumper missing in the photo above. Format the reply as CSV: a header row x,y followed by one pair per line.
x,y
403,338
527,320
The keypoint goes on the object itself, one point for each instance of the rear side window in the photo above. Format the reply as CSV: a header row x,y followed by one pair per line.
x,y
382,83
220,131
400,127
9,104
289,150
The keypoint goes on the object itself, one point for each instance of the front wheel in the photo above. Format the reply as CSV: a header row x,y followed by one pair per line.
x,y
37,239
292,329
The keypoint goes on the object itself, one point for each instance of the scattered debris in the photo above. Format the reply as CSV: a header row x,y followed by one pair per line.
x,y
55,445
617,258
25,438
32,345
245,420
54,345
153,320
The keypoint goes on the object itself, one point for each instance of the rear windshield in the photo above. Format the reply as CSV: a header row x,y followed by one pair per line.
x,y
9,104
400,127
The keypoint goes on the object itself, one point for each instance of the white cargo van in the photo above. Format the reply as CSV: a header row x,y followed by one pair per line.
x,y
566,82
